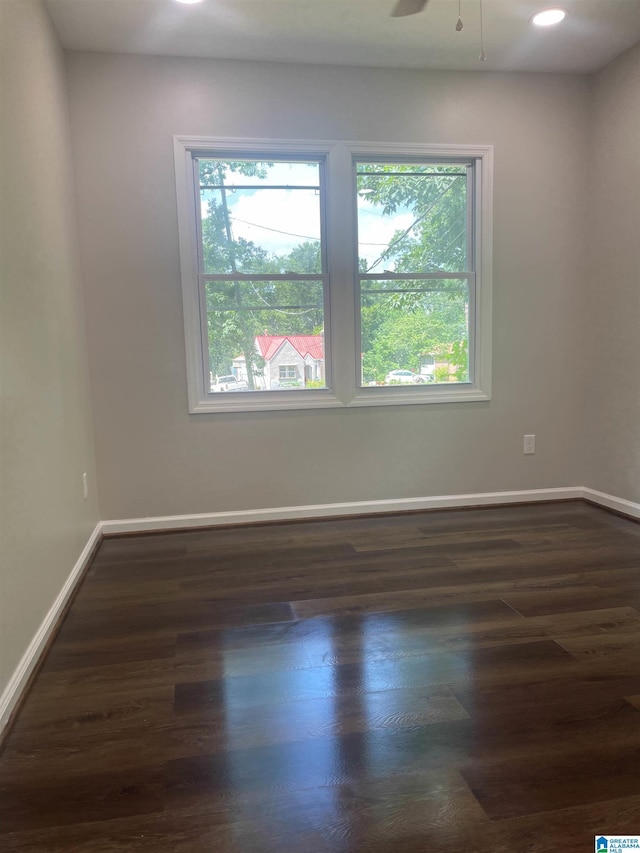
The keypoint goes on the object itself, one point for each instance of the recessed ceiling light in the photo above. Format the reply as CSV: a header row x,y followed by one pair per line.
x,y
189,2
548,17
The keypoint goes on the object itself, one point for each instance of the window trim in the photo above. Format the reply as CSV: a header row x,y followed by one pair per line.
x,y
338,210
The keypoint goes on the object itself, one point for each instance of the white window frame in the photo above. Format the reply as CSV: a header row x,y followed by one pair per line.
x,y
339,222
288,368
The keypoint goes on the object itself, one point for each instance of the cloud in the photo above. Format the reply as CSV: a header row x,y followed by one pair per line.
x,y
277,220
376,231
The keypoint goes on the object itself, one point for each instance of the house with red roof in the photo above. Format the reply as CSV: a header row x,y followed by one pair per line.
x,y
290,361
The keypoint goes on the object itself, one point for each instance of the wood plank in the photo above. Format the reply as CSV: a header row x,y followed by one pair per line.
x,y
548,783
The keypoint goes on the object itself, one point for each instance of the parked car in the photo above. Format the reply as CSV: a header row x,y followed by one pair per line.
x,y
403,377
228,383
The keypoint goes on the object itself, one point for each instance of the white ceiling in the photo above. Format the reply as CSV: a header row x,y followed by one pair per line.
x,y
356,32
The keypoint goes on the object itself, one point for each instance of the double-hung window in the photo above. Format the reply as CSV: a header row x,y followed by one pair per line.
x,y
334,274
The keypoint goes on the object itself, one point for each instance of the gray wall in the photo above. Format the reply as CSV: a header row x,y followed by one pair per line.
x,y
612,352
45,428
153,457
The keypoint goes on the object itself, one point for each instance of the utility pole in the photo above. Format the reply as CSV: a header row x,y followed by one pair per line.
x,y
248,337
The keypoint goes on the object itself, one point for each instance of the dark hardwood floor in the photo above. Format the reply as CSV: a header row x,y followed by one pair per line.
x,y
445,681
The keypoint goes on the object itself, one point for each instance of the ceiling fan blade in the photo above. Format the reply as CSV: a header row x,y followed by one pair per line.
x,y
408,7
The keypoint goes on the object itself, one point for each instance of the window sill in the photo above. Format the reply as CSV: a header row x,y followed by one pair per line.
x,y
460,393
299,400
270,401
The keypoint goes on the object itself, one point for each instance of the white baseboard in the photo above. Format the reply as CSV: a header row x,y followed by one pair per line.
x,y
288,513
611,502
20,678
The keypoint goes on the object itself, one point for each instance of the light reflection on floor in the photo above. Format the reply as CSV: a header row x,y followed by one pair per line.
x,y
330,730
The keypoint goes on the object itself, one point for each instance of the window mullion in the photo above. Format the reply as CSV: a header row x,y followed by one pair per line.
x,y
342,260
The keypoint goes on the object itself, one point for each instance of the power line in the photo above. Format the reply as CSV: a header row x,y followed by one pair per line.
x,y
408,230
291,234
277,230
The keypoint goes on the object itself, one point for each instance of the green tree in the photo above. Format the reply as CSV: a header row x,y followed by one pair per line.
x,y
406,320
224,254
238,311
399,336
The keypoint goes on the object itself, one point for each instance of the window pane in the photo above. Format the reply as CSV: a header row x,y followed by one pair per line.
x,y
412,217
260,217
267,325
415,332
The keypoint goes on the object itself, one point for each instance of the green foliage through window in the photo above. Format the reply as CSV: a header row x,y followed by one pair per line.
x,y
248,220
262,265
421,324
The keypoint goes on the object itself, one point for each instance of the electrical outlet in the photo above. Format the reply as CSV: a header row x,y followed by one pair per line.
x,y
85,486
529,444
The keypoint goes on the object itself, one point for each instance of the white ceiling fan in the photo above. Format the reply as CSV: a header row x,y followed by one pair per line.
x,y
403,8
408,7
